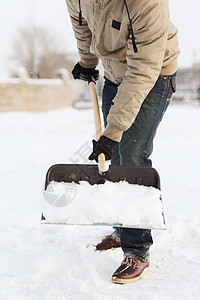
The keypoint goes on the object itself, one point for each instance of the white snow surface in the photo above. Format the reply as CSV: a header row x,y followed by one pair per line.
x,y
111,203
58,261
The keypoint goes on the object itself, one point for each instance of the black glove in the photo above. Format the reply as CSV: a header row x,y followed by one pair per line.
x,y
80,72
103,145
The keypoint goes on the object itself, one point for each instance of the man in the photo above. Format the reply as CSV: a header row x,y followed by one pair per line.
x,y
138,47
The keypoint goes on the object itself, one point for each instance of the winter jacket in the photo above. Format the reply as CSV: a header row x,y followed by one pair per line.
x,y
105,34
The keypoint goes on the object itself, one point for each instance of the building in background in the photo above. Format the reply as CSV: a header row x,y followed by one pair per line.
x,y
188,83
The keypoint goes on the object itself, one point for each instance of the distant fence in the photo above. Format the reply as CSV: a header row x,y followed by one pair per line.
x,y
34,94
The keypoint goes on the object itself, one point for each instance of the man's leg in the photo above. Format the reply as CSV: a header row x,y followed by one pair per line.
x,y
140,239
135,148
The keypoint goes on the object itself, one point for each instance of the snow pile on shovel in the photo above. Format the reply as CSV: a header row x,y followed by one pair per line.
x,y
110,203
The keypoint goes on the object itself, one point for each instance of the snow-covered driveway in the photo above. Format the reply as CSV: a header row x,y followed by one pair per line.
x,y
58,262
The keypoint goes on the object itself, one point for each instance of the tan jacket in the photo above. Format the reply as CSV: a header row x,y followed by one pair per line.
x,y
105,34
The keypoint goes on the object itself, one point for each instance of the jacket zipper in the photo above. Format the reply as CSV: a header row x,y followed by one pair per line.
x,y
96,19
94,33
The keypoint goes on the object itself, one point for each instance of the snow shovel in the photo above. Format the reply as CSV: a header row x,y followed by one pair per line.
x,y
89,194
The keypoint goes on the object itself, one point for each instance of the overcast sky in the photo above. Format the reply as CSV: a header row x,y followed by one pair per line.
x,y
53,14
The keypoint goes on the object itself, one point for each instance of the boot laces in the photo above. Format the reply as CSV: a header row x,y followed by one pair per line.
x,y
130,261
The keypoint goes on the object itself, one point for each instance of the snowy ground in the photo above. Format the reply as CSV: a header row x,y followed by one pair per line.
x,y
58,262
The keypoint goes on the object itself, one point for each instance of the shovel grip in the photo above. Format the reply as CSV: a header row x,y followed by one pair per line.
x,y
98,128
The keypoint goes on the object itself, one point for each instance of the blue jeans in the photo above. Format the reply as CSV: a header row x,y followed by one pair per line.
x,y
136,146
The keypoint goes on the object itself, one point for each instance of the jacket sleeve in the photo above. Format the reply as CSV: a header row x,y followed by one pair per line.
x,y
150,28
83,36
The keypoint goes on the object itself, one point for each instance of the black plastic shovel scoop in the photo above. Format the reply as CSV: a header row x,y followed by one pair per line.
x,y
79,194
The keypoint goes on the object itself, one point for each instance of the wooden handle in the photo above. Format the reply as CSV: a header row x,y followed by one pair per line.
x,y
98,128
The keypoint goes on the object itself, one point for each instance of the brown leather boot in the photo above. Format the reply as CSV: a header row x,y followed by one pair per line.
x,y
131,270
109,242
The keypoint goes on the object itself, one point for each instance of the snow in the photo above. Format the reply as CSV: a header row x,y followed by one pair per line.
x,y
59,262
34,81
119,203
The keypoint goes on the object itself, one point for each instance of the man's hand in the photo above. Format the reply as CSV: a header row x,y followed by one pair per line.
x,y
82,73
103,145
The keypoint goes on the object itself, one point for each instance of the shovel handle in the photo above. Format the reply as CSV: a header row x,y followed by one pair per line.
x,y
98,128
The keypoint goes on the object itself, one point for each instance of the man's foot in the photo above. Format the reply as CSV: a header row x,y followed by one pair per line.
x,y
109,242
131,270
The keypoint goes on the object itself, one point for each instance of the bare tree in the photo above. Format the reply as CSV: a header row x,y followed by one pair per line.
x,y
39,51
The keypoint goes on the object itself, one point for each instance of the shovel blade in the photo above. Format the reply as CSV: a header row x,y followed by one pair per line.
x,y
146,176
70,206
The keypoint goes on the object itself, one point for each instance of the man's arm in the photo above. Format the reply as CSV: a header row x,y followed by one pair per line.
x,y
83,36
143,68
